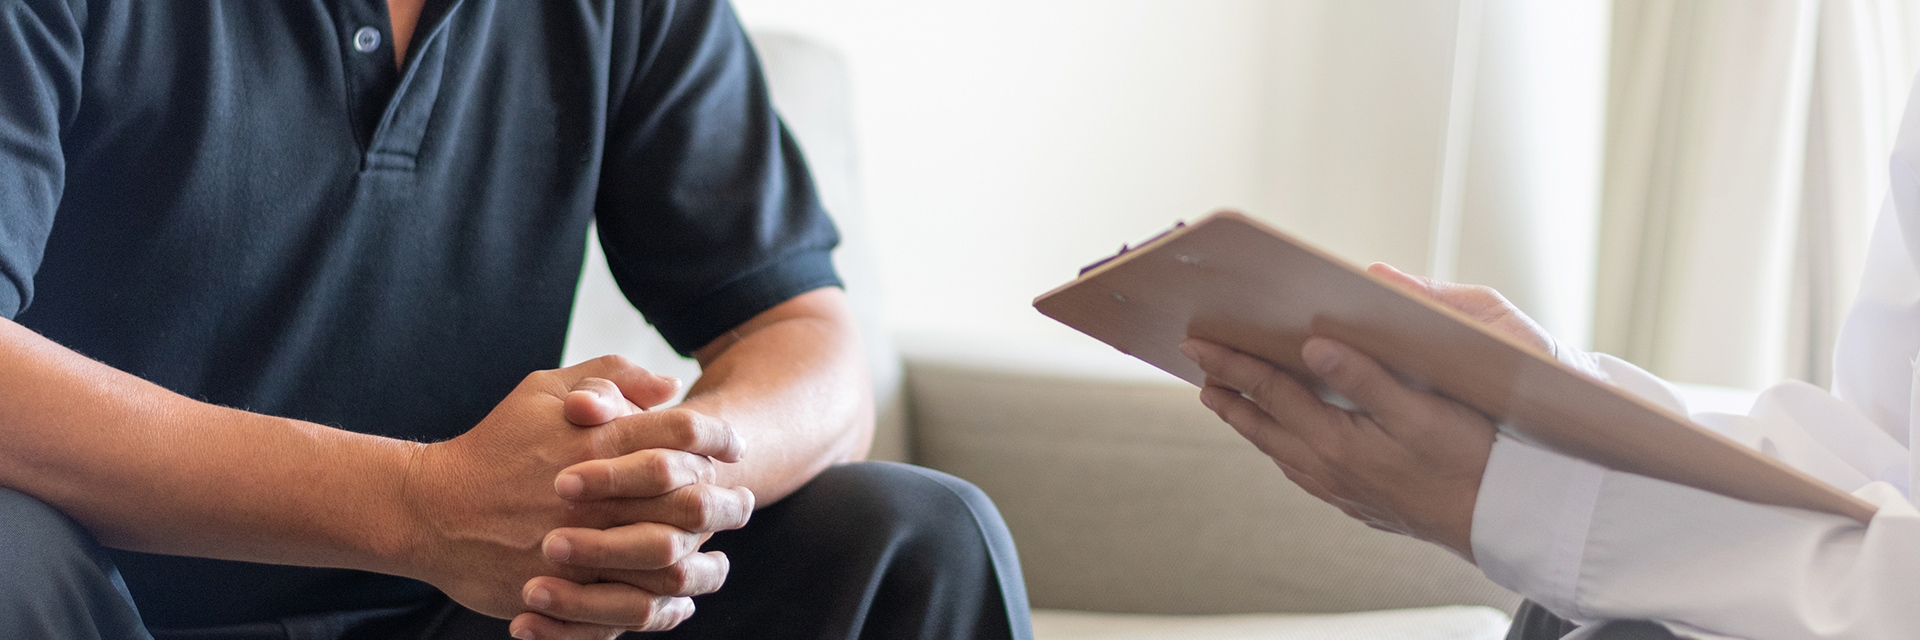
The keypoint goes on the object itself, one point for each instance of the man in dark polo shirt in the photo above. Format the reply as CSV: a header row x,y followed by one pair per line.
x,y
277,281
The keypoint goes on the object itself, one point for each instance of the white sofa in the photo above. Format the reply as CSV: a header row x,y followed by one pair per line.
x,y
1136,512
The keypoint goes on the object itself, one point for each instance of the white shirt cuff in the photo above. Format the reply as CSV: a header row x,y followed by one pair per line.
x,y
1582,361
1530,522
1622,374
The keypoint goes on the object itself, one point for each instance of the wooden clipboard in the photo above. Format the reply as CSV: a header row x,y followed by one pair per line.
x,y
1232,280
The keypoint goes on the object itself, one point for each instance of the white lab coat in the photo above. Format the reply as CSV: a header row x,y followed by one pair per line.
x,y
1592,544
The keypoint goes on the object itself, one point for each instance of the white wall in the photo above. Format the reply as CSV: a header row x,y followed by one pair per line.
x,y
1006,143
1531,198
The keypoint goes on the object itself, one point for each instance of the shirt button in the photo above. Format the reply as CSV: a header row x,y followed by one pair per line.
x,y
366,40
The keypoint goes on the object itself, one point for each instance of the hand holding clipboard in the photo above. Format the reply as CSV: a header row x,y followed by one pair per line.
x,y
1233,281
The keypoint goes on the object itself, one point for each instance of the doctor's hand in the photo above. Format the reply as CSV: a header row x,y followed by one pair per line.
x,y
1408,461
1480,303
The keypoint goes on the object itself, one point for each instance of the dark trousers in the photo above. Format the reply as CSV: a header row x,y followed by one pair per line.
x,y
868,550
1534,622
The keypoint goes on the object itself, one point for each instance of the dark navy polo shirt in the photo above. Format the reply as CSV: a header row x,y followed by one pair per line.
x,y
247,203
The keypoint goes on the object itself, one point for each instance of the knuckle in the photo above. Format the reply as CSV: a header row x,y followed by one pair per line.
x,y
658,469
1265,388
1237,413
660,554
685,544
542,377
615,362
655,612
681,426
604,479
697,506
1333,452
701,469
654,617
677,579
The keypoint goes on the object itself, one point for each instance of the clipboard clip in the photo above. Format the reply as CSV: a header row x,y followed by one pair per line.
x,y
1125,249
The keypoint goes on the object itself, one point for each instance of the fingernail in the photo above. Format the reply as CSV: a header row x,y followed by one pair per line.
x,y
1321,356
1206,398
1190,350
539,598
558,549
523,634
570,486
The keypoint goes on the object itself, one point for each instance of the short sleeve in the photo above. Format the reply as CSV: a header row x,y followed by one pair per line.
x,y
40,58
706,210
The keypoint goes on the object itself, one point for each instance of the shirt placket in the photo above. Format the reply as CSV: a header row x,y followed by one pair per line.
x,y
391,108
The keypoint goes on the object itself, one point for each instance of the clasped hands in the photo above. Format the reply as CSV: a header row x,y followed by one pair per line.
x,y
1407,460
574,510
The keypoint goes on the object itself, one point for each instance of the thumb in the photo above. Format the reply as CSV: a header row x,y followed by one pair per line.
x,y
596,401
1362,380
640,386
1417,284
1469,299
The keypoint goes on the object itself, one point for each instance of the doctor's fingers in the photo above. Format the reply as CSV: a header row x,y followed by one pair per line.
x,y
1324,472
1481,303
1333,492
1393,406
1272,390
642,474
1273,437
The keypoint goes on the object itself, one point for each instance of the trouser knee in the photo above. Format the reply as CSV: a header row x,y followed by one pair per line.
x,y
886,496
871,550
55,580
37,542
945,550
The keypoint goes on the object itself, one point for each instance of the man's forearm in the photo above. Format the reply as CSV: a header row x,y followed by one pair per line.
x,y
146,469
793,383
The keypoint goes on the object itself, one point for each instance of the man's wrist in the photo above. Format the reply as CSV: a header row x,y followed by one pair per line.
x,y
367,478
404,536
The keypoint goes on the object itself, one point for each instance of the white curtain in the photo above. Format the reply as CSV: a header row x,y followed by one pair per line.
x,y
1525,147
1685,183
1745,155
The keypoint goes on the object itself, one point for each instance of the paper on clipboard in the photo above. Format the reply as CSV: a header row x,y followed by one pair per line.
x,y
1233,280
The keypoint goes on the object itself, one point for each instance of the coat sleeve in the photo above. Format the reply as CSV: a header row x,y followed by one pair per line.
x,y
1593,544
